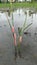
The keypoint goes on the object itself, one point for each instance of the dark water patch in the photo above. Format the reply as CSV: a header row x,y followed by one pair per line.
x,y
35,33
27,33
0,26
5,25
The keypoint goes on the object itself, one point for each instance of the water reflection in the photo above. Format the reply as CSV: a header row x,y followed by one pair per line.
x,y
29,19
20,16
29,44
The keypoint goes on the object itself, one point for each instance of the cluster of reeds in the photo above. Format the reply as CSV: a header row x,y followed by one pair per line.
x,y
20,31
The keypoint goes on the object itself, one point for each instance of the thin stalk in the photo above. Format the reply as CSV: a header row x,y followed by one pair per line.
x,y
11,31
24,24
28,26
12,16
9,22
12,20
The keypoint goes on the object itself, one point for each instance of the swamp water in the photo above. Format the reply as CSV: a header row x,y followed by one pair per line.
x,y
29,43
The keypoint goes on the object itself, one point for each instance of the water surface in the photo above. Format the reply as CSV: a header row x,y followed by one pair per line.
x,y
29,43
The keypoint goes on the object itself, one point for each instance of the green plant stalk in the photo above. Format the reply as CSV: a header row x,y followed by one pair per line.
x,y
26,27
21,34
9,22
12,14
12,20
8,19
23,28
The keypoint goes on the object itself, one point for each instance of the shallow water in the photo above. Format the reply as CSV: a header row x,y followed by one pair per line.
x,y
29,43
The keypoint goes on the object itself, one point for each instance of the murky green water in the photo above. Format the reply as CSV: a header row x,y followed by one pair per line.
x,y
29,43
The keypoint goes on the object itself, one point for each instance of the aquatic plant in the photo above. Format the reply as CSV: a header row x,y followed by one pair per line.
x,y
21,31
24,27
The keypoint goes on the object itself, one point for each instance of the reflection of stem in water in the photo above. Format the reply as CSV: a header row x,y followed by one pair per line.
x,y
32,18
24,24
9,22
15,46
9,13
12,20
11,30
31,14
21,30
19,53
19,49
15,52
28,26
19,11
